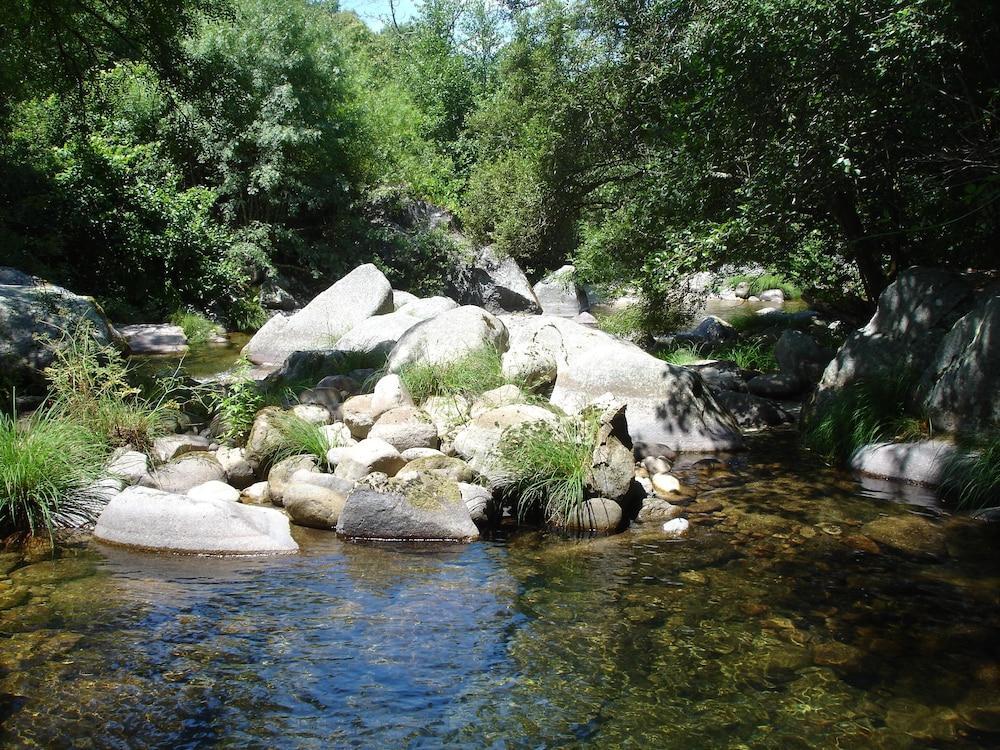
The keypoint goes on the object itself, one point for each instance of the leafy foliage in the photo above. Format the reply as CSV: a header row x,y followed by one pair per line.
x,y
197,328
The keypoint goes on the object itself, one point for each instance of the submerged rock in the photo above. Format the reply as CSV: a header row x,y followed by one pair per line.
x,y
145,518
910,534
411,508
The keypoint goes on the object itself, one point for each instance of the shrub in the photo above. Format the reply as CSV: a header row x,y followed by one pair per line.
x,y
47,467
865,412
475,373
545,466
246,315
972,475
196,327
240,403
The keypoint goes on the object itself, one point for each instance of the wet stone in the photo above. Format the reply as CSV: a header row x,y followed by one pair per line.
x,y
836,654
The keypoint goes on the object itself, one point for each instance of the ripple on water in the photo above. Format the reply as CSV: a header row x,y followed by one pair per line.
x,y
767,627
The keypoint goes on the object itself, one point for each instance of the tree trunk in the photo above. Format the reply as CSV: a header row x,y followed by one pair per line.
x,y
866,251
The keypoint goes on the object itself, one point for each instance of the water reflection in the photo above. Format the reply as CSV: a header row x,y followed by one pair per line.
x,y
779,623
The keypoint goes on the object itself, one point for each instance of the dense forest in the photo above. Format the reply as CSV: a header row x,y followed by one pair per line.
x,y
159,155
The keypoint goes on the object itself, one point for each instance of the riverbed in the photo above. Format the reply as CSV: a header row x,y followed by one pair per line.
x,y
777,623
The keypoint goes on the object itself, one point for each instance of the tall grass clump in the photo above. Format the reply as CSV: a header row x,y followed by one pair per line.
x,y
296,437
89,385
865,412
48,465
972,474
754,354
544,466
476,372
765,281
682,355
197,328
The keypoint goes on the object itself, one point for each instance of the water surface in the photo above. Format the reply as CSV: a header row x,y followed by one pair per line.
x,y
776,624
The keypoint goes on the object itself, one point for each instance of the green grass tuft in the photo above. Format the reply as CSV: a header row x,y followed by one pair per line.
x,y
545,466
754,354
764,282
298,437
47,466
972,475
475,373
865,412
682,355
197,328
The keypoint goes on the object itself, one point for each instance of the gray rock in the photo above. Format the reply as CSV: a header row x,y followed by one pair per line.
x,y
28,313
801,355
154,338
214,490
314,506
776,385
173,446
448,337
656,510
181,474
362,293
321,479
314,414
280,475
389,393
132,467
378,334
753,412
721,376
960,387
612,466
559,294
12,277
448,413
273,296
596,516
448,467
370,455
401,298
405,427
483,509
358,416
264,435
492,399
493,282
921,462
429,307
255,494
240,472
772,295
150,519
742,290
911,535
419,508
714,330
914,314
412,454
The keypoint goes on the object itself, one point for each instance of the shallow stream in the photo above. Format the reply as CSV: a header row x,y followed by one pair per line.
x,y
775,624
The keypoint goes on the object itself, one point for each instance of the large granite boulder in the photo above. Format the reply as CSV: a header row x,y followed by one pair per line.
x,y
310,505
960,389
405,427
378,334
666,405
492,281
559,294
914,314
799,354
410,508
150,519
448,337
29,313
362,293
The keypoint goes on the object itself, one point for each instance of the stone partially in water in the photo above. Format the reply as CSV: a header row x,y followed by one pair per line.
x,y
150,519
911,535
313,506
414,508
596,516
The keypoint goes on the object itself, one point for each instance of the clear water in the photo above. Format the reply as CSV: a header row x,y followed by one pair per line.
x,y
202,361
766,628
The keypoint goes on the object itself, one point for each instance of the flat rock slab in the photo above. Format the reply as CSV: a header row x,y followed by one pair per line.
x,y
154,338
920,462
149,519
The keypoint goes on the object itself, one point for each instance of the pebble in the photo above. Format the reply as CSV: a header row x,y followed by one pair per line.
x,y
676,527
